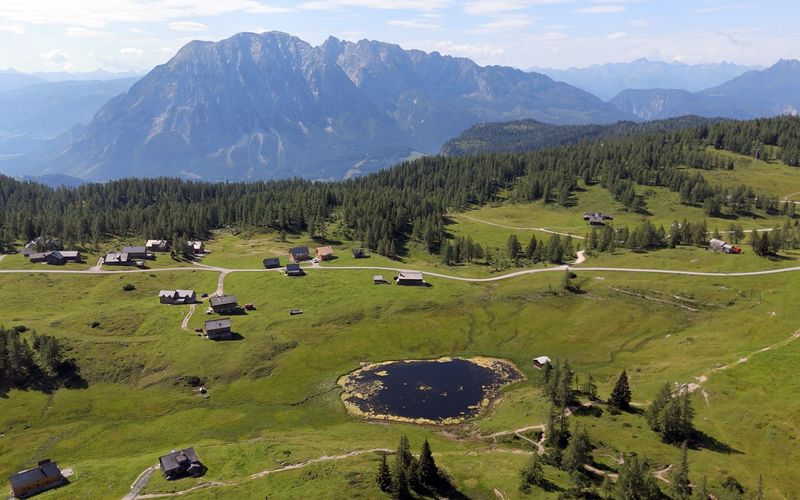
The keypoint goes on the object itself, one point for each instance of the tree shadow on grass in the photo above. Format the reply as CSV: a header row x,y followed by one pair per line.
x,y
701,440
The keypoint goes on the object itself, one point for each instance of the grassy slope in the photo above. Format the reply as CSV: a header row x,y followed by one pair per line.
x,y
259,416
273,399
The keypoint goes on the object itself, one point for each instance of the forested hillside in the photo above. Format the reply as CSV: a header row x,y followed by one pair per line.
x,y
529,135
387,209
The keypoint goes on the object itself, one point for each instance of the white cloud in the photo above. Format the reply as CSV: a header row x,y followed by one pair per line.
x,y
422,5
618,35
79,32
601,9
131,51
479,8
414,24
721,8
57,58
449,47
507,24
14,29
187,26
99,13
640,23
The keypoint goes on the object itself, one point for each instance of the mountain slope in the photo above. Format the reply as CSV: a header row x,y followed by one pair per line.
x,y
773,91
11,79
271,105
530,135
38,113
607,80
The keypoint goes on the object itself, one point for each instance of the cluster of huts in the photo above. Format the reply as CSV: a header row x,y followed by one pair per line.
x,y
47,475
137,255
49,251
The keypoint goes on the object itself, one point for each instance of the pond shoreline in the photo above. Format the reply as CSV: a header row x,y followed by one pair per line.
x,y
364,384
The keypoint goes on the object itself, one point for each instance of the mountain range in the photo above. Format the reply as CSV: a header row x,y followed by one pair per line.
x,y
770,92
36,114
260,106
607,80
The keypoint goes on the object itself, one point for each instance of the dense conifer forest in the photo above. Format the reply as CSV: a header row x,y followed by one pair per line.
x,y
386,209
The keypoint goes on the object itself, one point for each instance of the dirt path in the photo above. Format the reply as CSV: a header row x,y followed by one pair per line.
x,y
700,380
98,266
786,198
542,229
221,283
185,323
257,475
140,483
581,258
2,256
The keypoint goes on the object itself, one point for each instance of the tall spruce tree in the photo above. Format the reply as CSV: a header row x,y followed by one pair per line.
x,y
427,472
384,476
679,477
621,395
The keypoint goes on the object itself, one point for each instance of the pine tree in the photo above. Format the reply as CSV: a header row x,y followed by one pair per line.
x,y
679,478
532,474
427,472
635,481
653,414
384,477
589,388
400,487
700,491
621,395
577,452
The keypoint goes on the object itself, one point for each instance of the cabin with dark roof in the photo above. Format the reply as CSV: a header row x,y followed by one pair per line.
x,y
224,304
195,247
41,245
294,270
181,463
272,263
138,252
56,257
359,253
218,329
299,254
32,481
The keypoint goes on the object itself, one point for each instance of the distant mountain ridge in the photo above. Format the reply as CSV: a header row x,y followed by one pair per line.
x,y
258,106
770,92
607,80
35,114
529,135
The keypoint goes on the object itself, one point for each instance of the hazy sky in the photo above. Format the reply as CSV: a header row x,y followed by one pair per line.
x,y
82,35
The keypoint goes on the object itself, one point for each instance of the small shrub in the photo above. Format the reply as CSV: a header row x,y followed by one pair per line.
x,y
94,324
20,329
128,287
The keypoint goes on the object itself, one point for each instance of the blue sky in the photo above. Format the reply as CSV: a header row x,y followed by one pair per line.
x,y
82,35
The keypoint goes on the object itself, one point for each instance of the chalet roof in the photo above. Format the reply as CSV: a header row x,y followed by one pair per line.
x,y
178,459
218,324
542,360
298,251
136,249
292,267
410,275
716,241
223,300
196,244
117,257
176,293
272,260
26,477
70,254
155,243
39,255
326,250
57,254
378,277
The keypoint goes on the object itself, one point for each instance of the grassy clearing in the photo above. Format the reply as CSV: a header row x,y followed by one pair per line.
x,y
273,398
772,177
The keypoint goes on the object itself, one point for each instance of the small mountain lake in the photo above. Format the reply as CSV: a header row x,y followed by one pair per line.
x,y
439,391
